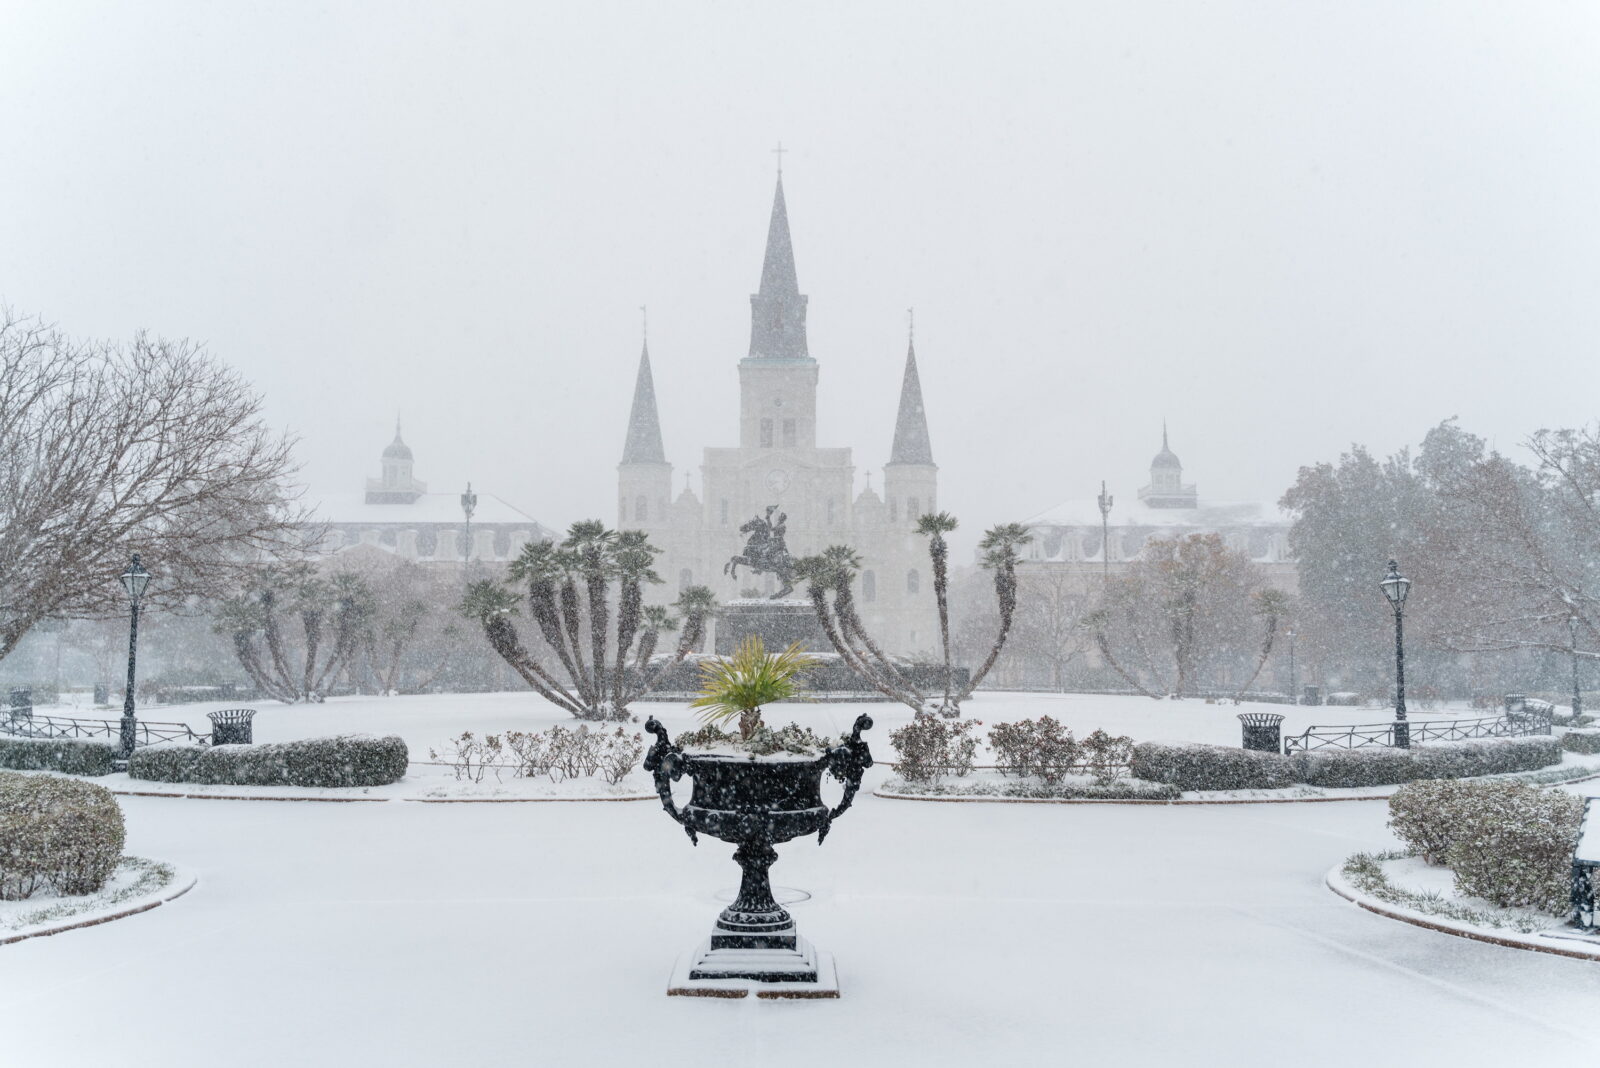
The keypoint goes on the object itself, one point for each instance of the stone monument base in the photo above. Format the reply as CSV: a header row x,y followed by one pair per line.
x,y
778,624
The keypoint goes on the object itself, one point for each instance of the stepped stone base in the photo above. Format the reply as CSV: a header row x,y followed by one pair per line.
x,y
735,971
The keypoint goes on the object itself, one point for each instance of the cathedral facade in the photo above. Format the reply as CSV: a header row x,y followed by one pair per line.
x,y
777,463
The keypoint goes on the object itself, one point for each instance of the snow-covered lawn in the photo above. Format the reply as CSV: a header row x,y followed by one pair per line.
x,y
410,934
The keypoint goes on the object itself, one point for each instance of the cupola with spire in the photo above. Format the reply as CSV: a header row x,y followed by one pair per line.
x,y
1166,488
397,485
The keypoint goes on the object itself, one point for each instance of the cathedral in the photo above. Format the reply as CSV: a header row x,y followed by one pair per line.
x,y
778,462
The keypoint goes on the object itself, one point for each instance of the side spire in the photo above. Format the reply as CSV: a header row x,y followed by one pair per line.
x,y
778,309
643,445
911,444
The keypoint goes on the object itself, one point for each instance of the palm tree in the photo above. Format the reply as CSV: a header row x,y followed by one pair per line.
x,y
493,607
593,550
737,686
542,567
846,564
656,619
999,548
631,559
1271,605
934,526
821,573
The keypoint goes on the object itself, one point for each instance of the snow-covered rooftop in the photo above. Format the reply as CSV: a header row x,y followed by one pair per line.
x,y
352,508
1211,515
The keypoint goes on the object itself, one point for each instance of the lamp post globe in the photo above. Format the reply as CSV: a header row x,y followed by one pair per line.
x,y
1395,587
134,580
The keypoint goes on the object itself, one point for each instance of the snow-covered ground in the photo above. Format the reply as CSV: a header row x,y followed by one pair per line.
x,y
405,934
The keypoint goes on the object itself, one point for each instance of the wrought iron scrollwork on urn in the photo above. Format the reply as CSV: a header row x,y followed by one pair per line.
x,y
755,804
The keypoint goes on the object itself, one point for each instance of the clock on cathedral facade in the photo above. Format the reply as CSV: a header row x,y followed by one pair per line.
x,y
777,461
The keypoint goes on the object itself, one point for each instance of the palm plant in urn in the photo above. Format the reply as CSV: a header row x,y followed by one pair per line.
x,y
754,788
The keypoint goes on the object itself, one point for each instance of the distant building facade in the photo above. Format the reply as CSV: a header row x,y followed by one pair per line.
x,y
398,515
1068,538
778,461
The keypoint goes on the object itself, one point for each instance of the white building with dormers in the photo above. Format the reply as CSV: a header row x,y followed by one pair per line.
x,y
778,461
396,513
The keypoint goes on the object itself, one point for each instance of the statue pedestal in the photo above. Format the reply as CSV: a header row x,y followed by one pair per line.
x,y
779,624
801,972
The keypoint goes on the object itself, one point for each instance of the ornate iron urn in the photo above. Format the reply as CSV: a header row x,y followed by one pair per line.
x,y
755,803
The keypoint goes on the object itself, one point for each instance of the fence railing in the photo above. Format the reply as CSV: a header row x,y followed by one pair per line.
x,y
1363,735
21,724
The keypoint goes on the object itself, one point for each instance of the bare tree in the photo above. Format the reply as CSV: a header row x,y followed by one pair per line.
x,y
106,450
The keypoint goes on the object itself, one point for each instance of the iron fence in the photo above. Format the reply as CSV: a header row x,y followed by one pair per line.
x,y
19,724
1363,735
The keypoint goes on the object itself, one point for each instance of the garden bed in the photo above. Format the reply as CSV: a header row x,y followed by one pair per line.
x,y
1400,886
137,885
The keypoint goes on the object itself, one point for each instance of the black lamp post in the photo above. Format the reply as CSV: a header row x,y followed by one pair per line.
x,y
134,580
1577,693
1395,589
1104,501
469,504
1294,689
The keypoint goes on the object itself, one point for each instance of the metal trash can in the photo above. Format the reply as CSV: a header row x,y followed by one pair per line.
x,y
102,694
1312,695
1516,702
21,701
1263,731
232,726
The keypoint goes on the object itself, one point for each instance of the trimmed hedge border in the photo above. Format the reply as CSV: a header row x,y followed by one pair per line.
x,y
1581,741
70,756
1216,767
62,834
346,760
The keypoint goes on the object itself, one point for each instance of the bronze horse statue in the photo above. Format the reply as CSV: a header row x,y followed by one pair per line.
x,y
765,552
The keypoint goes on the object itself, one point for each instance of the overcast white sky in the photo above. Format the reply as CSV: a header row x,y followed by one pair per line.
x,y
1283,227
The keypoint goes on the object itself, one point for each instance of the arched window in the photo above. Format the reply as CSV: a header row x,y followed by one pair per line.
x,y
913,581
912,515
869,586
894,510
641,508
766,433
622,510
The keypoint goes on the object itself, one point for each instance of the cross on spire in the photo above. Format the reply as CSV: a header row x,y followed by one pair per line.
x,y
911,323
779,151
644,322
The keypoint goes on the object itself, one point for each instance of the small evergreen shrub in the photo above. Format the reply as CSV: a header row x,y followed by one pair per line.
x,y
70,756
930,746
1581,741
1211,767
557,753
1513,844
1425,815
346,760
55,832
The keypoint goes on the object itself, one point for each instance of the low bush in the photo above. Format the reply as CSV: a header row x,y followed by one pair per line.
x,y
557,754
59,833
1339,768
930,746
1211,767
1423,815
346,760
1512,844
70,756
1029,747
1581,741
1106,756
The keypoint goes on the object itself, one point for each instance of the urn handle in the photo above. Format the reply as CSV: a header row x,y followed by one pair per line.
x,y
664,762
847,762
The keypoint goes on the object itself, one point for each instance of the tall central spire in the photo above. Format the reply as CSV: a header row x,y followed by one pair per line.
x,y
643,444
778,310
911,444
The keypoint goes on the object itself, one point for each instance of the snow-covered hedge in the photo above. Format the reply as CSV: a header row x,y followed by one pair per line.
x,y
1441,760
1506,842
72,756
347,760
1581,741
56,832
1211,767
